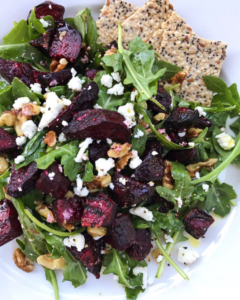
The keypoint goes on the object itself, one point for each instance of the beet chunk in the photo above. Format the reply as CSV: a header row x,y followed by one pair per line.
x,y
152,167
43,43
68,211
99,210
202,123
10,228
197,222
130,194
181,119
179,140
49,8
152,146
98,124
7,141
122,233
156,198
58,187
163,98
98,150
142,245
185,157
23,180
90,256
91,73
67,43
48,79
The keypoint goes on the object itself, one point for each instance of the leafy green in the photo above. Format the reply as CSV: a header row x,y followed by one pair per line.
x,y
6,98
35,28
88,173
3,183
200,138
71,22
3,85
18,35
19,89
59,90
215,84
115,61
139,143
31,197
132,294
171,70
235,126
51,277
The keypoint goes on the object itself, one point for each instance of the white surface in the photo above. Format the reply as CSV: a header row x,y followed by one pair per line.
x,y
215,275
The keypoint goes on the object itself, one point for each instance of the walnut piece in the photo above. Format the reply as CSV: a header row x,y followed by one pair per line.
x,y
22,261
3,165
49,263
19,122
97,232
193,132
178,78
69,227
53,65
99,182
44,211
69,194
110,51
167,180
159,117
118,150
50,139
8,118
31,109
122,162
155,254
208,164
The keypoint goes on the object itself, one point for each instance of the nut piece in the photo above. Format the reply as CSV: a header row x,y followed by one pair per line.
x,y
5,193
31,109
155,254
69,227
22,261
44,211
178,78
19,122
62,65
8,118
167,180
193,132
159,117
97,232
53,65
3,165
99,182
118,150
69,194
208,164
47,262
122,162
50,139
111,51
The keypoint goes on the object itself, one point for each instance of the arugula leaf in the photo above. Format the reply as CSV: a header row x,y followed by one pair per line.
x,y
219,197
132,294
88,173
115,61
235,126
3,183
6,98
18,35
215,84
71,22
19,89
59,90
218,119
171,70
3,85
35,28
51,277
139,144
31,197
200,138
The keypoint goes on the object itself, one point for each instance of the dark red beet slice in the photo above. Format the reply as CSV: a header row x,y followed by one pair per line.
x,y
181,119
197,222
67,43
84,100
163,98
91,73
91,255
202,123
49,8
142,245
122,234
156,198
99,210
98,124
7,141
58,187
185,157
23,180
10,228
44,42
130,194
68,211
152,146
98,150
175,138
48,79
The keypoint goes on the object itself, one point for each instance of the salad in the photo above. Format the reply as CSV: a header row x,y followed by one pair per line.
x,y
111,147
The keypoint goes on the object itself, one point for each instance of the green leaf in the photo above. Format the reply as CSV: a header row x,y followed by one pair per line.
x,y
235,126
19,89
6,98
88,173
215,84
171,70
180,237
219,197
132,294
18,35
59,90
71,22
79,23
35,28
3,85
115,61
3,183
51,277
31,197
200,138
139,143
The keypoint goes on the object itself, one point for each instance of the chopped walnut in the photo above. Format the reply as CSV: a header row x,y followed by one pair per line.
x,y
143,123
22,261
69,194
8,118
155,254
19,122
193,132
69,227
97,232
178,78
31,109
50,139
148,131
118,150
167,180
111,51
44,211
49,263
53,65
159,117
99,182
208,164
122,162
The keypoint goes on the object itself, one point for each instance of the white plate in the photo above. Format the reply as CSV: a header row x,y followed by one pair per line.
x,y
216,273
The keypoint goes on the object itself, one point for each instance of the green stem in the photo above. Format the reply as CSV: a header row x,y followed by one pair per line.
x,y
213,109
48,229
172,87
54,284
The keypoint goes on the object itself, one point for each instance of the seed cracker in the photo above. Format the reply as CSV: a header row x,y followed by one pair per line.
x,y
113,12
176,23
199,57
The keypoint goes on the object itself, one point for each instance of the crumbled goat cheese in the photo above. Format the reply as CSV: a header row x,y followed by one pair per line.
x,y
151,183
77,241
117,89
141,270
191,144
18,104
79,190
109,141
135,160
201,112
205,187
179,201
19,159
223,129
36,88
138,134
44,23
104,165
62,137
181,134
142,212
197,175
159,258
64,123
111,185
168,238
74,72
21,140
187,256
66,102
83,147
51,175
75,84
133,96
154,153
96,106
89,88
29,128
116,76
107,80
115,277
129,114
225,141
122,180
50,6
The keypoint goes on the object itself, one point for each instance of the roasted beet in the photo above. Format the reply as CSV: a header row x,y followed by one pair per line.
x,y
48,8
185,157
181,119
202,123
91,73
44,42
156,198
56,187
122,234
152,167
177,139
131,193
142,245
7,141
90,256
10,228
163,98
67,43
68,211
98,150
197,222
48,79
22,180
152,146
98,124
99,210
